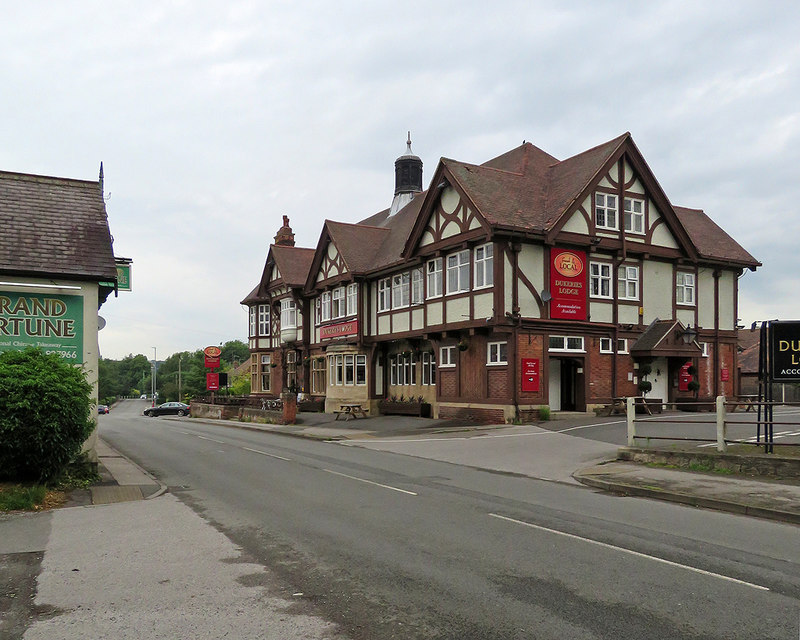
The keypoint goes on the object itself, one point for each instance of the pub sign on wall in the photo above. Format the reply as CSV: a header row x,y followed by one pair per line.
x,y
568,284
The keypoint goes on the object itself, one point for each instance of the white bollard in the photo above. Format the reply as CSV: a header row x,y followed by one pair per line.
x,y
722,446
630,407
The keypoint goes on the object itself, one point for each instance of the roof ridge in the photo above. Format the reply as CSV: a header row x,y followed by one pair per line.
x,y
34,177
483,167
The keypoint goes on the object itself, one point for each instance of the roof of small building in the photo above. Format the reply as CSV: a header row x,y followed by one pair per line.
x,y
54,227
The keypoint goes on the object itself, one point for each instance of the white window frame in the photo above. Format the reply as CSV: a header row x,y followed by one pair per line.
x,y
288,314
326,306
338,309
606,345
484,266
384,294
349,370
253,320
434,278
447,357
352,299
704,347
417,280
401,290
565,345
318,381
428,369
361,370
600,277
628,282
263,320
622,345
497,353
458,272
605,211
631,216
685,288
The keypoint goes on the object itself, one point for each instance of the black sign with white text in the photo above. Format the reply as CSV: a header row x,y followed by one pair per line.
x,y
785,356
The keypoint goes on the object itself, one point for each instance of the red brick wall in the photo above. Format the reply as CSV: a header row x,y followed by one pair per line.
x,y
473,414
497,382
448,382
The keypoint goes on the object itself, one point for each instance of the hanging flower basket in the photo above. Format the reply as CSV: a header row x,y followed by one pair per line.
x,y
463,345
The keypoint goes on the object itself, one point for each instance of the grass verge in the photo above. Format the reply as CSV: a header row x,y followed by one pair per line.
x,y
19,496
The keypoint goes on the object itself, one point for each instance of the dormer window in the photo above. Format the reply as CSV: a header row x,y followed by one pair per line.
x,y
605,211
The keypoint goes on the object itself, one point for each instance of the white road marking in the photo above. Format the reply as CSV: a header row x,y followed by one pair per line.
x,y
631,552
377,484
264,453
212,440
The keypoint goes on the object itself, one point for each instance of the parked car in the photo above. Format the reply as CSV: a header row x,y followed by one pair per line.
x,y
168,409
103,408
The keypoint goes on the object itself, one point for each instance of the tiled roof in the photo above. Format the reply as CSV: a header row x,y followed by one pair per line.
x,y
54,226
294,263
358,244
710,240
527,190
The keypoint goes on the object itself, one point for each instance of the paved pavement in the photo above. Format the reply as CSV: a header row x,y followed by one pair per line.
x,y
174,575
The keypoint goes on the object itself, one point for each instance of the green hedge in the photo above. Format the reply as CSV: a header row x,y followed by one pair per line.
x,y
45,414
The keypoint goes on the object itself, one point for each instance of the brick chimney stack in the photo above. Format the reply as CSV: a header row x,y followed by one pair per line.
x,y
285,237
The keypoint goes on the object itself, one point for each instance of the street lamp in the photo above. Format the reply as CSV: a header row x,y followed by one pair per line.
x,y
155,370
689,335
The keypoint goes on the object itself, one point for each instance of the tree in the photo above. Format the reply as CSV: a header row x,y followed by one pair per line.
x,y
45,409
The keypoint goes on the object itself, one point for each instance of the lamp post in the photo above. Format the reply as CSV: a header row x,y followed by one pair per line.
x,y
155,371
180,396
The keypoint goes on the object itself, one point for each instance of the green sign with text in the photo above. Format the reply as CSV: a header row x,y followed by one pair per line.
x,y
123,277
52,323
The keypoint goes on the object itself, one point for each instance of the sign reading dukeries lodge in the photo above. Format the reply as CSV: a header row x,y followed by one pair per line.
x,y
568,284
53,323
785,356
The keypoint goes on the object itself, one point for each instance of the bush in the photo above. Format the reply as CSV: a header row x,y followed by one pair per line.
x,y
45,414
544,413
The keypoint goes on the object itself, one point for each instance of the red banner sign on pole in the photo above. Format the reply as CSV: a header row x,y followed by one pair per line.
x,y
530,374
212,381
568,284
212,355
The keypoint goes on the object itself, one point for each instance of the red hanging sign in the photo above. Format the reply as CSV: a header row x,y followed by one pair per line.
x,y
568,284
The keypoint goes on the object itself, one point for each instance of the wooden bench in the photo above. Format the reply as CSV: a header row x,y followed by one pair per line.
x,y
350,411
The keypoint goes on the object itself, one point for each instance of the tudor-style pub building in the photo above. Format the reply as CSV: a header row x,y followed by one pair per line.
x,y
521,282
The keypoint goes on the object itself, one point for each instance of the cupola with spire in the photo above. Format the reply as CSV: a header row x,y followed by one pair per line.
x,y
285,236
407,178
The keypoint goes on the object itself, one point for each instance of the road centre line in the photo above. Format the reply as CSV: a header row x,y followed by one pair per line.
x,y
264,453
631,552
212,440
377,484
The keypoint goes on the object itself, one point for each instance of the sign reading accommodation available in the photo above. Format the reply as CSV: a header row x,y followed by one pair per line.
x,y
212,381
530,374
785,356
337,330
52,323
568,284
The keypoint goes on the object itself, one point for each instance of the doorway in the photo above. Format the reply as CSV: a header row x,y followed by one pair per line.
x,y
566,391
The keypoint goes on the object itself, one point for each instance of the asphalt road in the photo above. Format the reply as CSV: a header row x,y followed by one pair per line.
x,y
395,546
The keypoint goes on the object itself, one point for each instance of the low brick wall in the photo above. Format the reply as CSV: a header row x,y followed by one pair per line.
x,y
477,415
769,466
232,412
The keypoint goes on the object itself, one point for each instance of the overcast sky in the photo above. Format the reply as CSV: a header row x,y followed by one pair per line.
x,y
214,119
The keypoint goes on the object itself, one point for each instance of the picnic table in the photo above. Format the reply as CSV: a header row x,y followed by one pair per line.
x,y
350,411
